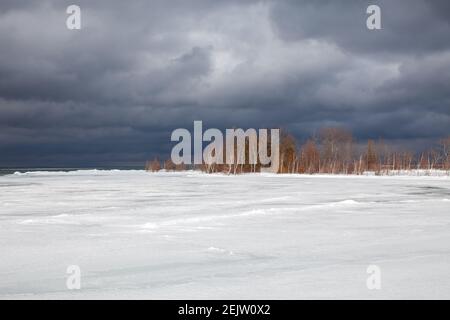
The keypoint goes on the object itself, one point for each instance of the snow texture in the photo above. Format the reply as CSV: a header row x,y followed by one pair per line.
x,y
139,235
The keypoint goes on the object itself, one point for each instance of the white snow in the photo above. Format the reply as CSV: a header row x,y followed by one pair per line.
x,y
191,235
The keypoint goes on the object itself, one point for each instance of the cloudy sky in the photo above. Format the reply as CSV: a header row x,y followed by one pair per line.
x,y
112,92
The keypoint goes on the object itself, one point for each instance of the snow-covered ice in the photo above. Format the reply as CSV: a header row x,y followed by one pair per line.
x,y
190,235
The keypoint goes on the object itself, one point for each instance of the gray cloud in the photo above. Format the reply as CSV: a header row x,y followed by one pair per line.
x,y
113,91
409,26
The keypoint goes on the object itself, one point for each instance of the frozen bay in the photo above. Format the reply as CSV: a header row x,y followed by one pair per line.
x,y
190,235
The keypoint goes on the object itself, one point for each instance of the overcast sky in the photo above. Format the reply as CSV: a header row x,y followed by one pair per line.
x,y
112,92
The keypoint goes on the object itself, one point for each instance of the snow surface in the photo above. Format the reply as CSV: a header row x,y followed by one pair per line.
x,y
190,235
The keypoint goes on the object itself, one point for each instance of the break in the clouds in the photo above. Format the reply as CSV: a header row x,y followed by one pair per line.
x,y
112,92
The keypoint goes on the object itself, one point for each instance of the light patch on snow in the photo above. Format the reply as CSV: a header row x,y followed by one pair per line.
x,y
219,250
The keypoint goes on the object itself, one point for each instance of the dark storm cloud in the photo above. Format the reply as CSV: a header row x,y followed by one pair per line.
x,y
408,25
113,91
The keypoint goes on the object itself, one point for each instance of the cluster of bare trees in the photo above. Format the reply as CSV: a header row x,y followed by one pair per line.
x,y
335,151
331,151
155,165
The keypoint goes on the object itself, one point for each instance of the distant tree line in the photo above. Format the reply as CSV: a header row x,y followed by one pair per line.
x,y
332,150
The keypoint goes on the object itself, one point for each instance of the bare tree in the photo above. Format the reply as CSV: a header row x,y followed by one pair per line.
x,y
336,146
371,156
287,153
154,165
445,150
309,158
169,165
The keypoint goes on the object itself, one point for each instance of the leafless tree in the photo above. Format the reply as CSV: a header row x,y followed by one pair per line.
x,y
154,165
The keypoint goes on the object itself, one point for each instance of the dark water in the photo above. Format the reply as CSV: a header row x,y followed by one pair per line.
x,y
5,171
